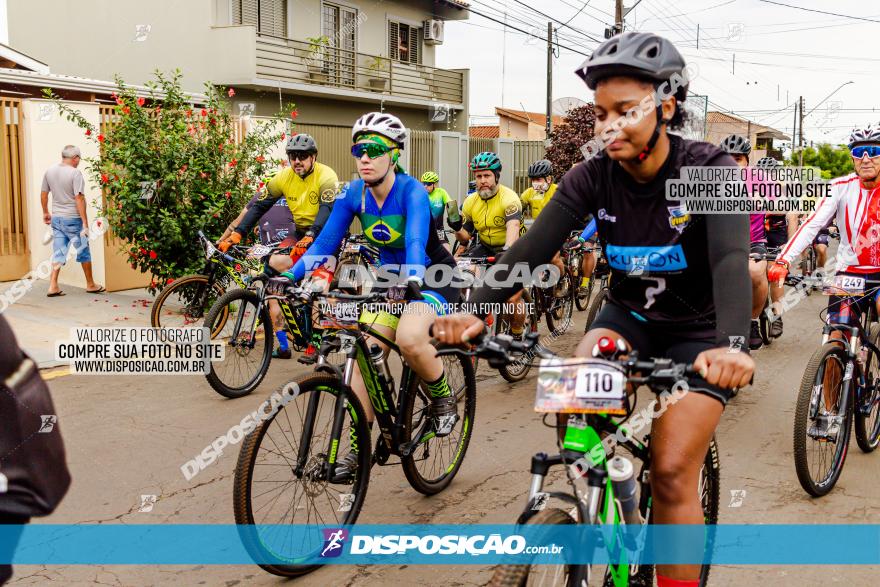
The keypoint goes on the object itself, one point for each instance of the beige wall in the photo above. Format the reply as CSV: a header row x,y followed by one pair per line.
x,y
96,39
313,110
372,37
718,131
43,141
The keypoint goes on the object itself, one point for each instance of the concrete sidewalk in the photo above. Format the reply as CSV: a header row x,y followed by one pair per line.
x,y
38,321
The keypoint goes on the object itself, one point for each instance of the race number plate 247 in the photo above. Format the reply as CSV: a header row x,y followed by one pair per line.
x,y
576,386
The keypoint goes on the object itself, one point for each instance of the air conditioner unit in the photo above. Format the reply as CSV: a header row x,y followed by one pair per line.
x,y
434,32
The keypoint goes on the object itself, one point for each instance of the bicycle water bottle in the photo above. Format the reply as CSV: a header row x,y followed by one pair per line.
x,y
621,471
377,356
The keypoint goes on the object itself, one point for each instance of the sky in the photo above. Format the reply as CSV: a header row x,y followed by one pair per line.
x,y
754,58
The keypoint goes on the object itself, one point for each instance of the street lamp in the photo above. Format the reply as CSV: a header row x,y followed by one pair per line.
x,y
826,97
804,116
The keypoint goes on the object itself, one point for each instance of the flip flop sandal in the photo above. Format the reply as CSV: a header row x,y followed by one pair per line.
x,y
57,294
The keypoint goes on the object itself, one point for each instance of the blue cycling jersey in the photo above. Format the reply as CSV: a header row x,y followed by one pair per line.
x,y
401,228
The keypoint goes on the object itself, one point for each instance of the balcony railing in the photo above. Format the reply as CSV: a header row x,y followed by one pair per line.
x,y
297,61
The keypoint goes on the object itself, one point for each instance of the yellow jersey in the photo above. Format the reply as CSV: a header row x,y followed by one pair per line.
x,y
304,196
535,201
489,217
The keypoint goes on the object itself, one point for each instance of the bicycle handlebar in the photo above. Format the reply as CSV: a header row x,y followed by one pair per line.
x,y
496,349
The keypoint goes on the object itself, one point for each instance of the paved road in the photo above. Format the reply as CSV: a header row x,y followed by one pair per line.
x,y
128,436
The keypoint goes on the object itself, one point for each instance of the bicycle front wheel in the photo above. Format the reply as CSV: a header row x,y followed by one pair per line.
x,y
821,432
522,575
184,302
561,307
596,305
435,461
282,478
867,409
582,297
247,336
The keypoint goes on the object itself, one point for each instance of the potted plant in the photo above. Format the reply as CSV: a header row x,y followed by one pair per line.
x,y
378,79
318,71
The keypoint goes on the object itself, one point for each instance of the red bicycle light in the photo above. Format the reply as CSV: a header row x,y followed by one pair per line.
x,y
606,346
490,259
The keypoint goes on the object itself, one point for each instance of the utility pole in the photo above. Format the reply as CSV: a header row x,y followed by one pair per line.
x,y
801,140
549,78
794,129
618,16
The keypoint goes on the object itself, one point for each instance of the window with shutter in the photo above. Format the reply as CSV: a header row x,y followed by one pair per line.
x,y
269,16
273,17
404,42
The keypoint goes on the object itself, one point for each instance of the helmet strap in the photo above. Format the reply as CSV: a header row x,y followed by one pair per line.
x,y
391,166
655,136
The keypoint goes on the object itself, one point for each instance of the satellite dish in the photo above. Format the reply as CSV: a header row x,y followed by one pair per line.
x,y
561,106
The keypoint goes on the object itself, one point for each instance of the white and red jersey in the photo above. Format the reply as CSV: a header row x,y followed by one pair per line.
x,y
857,211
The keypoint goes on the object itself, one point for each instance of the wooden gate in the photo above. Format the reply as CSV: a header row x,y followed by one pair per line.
x,y
14,254
118,274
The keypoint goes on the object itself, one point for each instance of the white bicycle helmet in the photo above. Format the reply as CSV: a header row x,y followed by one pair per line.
x,y
380,123
869,134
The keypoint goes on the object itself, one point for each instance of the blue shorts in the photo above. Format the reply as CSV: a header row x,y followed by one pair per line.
x,y
67,232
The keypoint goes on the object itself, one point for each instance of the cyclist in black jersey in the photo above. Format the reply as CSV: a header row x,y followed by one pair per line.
x,y
680,286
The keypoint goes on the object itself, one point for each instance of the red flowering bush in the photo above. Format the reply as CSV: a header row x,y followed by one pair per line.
x,y
166,173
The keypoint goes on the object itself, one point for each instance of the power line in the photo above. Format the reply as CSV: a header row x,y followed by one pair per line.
x,y
548,17
821,11
581,9
471,10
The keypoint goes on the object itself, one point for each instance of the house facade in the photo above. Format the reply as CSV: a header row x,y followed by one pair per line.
x,y
721,124
335,60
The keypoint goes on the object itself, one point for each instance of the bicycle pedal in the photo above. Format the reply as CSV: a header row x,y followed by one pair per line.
x,y
407,448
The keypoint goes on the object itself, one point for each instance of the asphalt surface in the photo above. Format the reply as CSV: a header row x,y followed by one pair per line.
x,y
128,436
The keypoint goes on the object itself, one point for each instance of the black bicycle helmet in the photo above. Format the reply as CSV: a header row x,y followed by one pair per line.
x,y
736,145
540,168
302,142
641,55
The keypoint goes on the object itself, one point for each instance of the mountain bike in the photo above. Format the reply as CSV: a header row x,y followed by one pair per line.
x,y
240,318
499,323
554,302
250,335
603,487
602,275
356,251
840,390
573,253
184,301
286,466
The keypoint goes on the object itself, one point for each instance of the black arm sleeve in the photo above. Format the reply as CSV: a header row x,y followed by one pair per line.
x,y
254,214
321,218
728,240
541,242
10,353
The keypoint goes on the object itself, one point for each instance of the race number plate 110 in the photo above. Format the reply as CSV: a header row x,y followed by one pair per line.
x,y
580,386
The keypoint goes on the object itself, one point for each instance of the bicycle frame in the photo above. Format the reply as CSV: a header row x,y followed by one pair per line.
x,y
853,338
389,414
